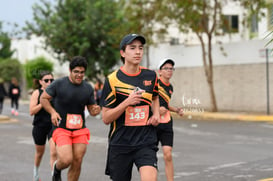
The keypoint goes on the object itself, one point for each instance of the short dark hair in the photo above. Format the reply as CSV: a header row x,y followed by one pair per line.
x,y
78,61
126,40
121,57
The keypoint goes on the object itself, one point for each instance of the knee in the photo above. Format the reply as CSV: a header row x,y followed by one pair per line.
x,y
77,161
65,162
168,156
40,151
39,154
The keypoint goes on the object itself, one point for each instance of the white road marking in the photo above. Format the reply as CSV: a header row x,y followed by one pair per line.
x,y
225,166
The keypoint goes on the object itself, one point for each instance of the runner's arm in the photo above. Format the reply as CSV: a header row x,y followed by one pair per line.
x,y
111,114
177,110
154,120
45,101
34,107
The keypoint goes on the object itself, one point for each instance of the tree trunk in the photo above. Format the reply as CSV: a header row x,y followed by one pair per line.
x,y
210,77
212,95
208,67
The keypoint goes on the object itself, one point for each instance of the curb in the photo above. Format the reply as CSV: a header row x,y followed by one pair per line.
x,y
198,116
7,119
224,116
4,118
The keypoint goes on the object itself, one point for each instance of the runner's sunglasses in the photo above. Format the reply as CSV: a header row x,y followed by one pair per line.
x,y
46,80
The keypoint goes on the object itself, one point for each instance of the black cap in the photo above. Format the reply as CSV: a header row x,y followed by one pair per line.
x,y
164,61
129,38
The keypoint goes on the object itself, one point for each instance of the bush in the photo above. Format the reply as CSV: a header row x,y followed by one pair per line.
x,y
10,68
34,67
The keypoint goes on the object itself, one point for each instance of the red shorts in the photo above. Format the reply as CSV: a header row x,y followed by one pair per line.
x,y
65,137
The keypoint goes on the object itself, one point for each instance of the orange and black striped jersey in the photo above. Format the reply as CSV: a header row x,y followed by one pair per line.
x,y
130,128
165,92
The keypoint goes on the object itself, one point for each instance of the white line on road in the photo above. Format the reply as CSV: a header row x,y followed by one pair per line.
x,y
225,166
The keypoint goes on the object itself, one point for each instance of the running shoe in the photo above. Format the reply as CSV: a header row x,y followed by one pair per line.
x,y
56,173
36,179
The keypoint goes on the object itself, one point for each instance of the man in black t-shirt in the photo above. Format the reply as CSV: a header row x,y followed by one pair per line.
x,y
71,94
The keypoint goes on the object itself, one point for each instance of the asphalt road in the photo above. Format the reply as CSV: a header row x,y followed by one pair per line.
x,y
203,151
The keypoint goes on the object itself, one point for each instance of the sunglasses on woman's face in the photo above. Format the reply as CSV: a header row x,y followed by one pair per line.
x,y
46,80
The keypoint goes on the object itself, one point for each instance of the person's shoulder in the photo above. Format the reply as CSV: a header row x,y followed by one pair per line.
x,y
86,83
61,80
113,74
36,91
65,78
147,70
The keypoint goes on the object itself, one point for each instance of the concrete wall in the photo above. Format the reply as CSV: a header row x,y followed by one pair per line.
x,y
239,77
238,88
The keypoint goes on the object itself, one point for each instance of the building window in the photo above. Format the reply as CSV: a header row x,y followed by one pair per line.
x,y
174,41
231,23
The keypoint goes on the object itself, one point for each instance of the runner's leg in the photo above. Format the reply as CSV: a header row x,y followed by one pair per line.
x,y
148,173
79,150
167,151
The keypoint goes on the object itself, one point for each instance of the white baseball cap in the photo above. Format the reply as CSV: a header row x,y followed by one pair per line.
x,y
164,61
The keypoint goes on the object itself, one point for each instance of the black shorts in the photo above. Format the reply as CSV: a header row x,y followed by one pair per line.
x,y
165,134
40,133
120,161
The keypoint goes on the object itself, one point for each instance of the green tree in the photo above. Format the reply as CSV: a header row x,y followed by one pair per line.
x,y
34,67
205,19
10,68
140,17
5,43
82,27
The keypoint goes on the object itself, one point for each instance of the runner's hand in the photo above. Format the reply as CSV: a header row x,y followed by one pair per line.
x,y
55,118
135,97
153,120
162,110
95,110
180,111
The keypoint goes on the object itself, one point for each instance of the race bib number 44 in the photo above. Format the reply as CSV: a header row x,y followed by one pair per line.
x,y
74,121
137,116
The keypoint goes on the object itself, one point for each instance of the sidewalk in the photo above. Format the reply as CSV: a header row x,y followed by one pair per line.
x,y
232,116
6,119
224,116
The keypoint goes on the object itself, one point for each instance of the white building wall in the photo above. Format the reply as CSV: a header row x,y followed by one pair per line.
x,y
29,49
244,52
